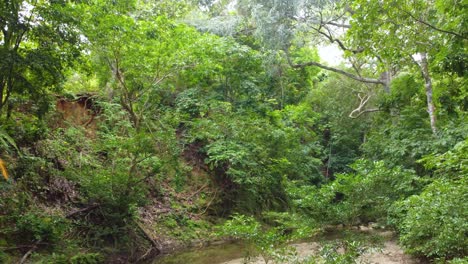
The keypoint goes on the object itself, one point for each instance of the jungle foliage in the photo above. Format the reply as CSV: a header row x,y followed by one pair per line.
x,y
126,123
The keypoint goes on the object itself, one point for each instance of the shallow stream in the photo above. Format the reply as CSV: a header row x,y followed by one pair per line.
x,y
384,250
206,255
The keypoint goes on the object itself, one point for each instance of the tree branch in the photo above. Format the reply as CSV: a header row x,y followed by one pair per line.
x,y
362,103
338,24
347,74
329,35
363,112
432,26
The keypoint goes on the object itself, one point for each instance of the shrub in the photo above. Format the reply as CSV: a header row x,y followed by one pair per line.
x,y
374,187
352,250
34,227
451,164
87,258
315,202
435,221
270,243
359,197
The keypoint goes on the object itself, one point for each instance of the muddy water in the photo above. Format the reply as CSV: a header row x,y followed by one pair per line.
x,y
386,250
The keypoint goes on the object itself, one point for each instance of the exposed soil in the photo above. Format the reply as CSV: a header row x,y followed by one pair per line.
x,y
81,111
390,253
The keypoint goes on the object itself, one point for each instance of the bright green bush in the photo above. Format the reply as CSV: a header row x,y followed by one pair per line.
x,y
451,164
360,197
297,226
315,202
434,223
406,139
374,187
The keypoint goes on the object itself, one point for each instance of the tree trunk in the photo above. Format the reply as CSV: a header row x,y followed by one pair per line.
x,y
428,86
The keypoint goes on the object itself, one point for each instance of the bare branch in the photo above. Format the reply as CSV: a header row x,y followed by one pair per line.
x,y
363,112
359,111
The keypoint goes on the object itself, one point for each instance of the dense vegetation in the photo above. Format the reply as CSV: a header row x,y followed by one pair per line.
x,y
125,124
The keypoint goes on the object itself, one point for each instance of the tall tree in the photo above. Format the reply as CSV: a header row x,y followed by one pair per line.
x,y
378,37
139,50
288,27
406,32
289,24
39,40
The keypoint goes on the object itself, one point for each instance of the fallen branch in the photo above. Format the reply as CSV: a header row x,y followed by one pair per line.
x,y
30,251
83,210
153,242
209,203
198,191
144,256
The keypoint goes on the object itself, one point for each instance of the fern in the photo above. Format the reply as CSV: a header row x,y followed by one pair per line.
x,y
6,141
